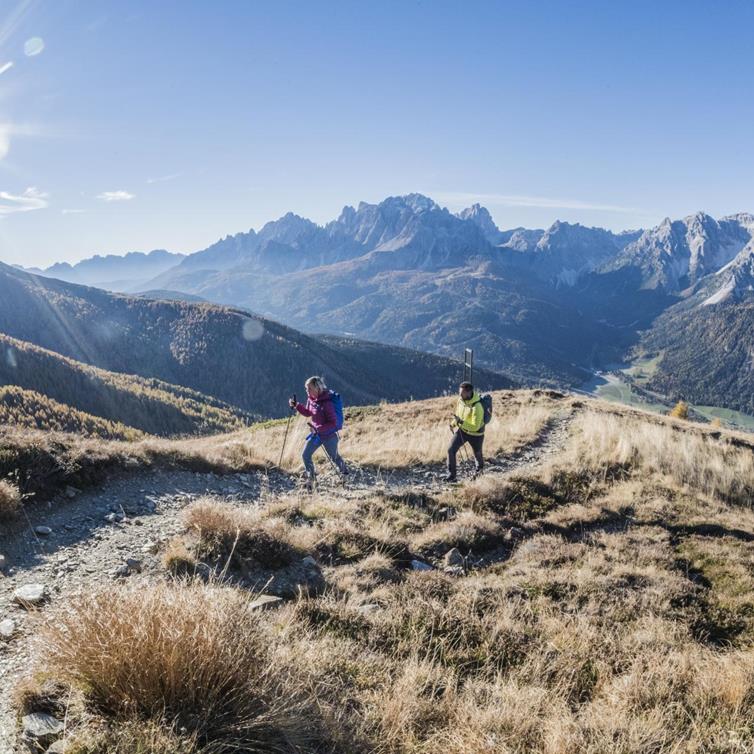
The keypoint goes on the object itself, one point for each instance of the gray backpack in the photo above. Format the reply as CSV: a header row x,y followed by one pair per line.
x,y
486,401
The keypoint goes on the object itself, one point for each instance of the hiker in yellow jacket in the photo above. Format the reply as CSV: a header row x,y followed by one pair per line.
x,y
469,428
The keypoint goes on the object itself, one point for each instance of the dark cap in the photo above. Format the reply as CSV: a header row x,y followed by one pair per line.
x,y
467,386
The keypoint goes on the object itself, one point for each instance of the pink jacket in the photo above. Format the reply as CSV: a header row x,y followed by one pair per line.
x,y
321,412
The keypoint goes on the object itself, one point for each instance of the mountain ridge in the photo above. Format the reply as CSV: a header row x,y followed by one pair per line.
x,y
229,354
545,305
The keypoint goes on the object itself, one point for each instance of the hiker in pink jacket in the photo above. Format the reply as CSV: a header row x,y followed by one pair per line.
x,y
323,422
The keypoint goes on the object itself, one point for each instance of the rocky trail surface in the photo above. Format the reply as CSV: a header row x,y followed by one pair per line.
x,y
94,539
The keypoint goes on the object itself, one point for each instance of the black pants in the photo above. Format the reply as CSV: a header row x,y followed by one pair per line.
x,y
459,438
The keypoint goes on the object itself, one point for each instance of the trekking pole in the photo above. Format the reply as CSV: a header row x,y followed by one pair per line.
x,y
285,436
463,447
332,463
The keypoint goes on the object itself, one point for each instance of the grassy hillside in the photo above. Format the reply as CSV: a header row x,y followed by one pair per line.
x,y
253,363
148,405
28,409
600,601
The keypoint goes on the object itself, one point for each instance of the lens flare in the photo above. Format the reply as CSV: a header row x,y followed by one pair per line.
x,y
33,46
252,329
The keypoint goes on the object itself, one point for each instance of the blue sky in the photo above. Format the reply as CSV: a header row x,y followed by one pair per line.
x,y
138,125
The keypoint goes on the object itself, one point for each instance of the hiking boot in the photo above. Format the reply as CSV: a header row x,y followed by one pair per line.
x,y
450,478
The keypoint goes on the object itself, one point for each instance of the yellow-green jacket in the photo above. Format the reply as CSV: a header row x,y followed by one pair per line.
x,y
471,413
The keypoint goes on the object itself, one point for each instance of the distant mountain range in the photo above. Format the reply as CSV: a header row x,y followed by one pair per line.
x,y
180,367
543,305
118,273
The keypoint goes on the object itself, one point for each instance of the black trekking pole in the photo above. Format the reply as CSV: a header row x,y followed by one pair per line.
x,y
285,436
463,447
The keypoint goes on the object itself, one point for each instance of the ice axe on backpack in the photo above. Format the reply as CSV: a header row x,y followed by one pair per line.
x,y
285,436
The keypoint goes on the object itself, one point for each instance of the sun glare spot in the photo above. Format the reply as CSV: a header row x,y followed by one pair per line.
x,y
33,46
252,329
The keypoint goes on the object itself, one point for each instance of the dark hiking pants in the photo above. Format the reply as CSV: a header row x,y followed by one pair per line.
x,y
459,438
330,444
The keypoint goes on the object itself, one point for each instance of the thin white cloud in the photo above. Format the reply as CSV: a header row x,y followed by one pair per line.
x,y
115,196
163,178
72,211
517,200
31,199
6,67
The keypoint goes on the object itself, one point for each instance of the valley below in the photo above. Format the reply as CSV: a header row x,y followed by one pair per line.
x,y
624,384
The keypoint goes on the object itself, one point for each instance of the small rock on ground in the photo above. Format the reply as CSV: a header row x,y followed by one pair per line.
x,y
41,729
453,557
30,595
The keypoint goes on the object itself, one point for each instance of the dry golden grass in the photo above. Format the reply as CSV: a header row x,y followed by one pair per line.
x,y
469,532
592,635
189,657
177,559
225,531
134,737
699,461
587,645
618,620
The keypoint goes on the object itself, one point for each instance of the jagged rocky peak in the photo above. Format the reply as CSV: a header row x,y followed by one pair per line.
x,y
373,224
481,217
677,254
564,235
417,202
742,219
286,229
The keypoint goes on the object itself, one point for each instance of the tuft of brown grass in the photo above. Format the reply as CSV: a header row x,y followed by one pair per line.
x,y
10,500
188,656
177,559
225,531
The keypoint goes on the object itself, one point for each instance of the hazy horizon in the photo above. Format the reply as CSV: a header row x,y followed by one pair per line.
x,y
138,127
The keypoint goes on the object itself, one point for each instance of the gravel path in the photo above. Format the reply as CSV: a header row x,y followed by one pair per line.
x,y
96,534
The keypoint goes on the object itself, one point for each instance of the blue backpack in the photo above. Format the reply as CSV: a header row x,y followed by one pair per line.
x,y
337,404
